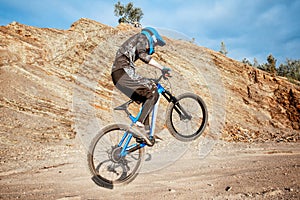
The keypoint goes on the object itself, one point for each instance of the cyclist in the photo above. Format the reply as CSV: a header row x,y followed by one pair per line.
x,y
139,89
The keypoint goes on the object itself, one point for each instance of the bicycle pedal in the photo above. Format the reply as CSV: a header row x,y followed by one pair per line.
x,y
143,141
140,140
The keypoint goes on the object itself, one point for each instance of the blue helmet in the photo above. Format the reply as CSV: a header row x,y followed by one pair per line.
x,y
153,37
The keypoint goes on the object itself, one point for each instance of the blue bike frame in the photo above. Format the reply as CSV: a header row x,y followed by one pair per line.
x,y
125,140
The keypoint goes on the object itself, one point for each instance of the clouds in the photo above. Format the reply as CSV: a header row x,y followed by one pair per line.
x,y
54,13
250,29
36,13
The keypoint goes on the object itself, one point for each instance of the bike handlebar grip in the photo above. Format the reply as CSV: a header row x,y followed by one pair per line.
x,y
166,72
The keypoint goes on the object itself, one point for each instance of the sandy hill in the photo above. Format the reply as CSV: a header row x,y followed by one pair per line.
x,y
40,68
55,86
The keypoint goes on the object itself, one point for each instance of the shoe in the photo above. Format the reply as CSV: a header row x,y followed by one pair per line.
x,y
143,136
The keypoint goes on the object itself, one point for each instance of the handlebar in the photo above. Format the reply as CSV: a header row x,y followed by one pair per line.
x,y
156,81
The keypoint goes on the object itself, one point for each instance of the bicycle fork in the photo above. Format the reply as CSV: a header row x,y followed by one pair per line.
x,y
178,108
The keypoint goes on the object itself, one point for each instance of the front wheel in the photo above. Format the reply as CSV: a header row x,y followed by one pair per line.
x,y
187,117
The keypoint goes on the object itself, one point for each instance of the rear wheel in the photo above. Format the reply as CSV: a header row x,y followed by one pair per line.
x,y
187,117
106,164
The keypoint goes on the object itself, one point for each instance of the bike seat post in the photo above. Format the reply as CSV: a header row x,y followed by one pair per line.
x,y
126,108
127,112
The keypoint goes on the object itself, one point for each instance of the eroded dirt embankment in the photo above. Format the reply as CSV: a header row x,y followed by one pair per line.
x,y
55,86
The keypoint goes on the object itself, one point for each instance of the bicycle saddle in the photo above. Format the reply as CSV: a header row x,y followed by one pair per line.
x,y
124,106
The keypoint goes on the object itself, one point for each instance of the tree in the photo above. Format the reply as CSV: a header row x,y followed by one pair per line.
x,y
255,62
290,70
246,61
128,13
223,49
271,66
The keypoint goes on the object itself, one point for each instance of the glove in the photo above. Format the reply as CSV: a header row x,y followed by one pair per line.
x,y
166,72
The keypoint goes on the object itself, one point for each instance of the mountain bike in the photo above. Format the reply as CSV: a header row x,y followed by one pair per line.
x,y
116,153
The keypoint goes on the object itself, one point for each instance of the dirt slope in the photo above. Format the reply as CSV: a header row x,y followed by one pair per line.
x,y
56,93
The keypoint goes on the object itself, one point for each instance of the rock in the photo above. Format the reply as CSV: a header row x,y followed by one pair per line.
x,y
228,188
274,192
171,190
289,189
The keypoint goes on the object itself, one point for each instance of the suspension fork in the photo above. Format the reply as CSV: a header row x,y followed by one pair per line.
x,y
178,108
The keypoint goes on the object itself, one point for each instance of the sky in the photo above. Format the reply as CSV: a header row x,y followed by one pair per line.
x,y
249,28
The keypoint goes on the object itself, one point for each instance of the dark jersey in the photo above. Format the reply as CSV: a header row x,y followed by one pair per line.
x,y
139,89
136,47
